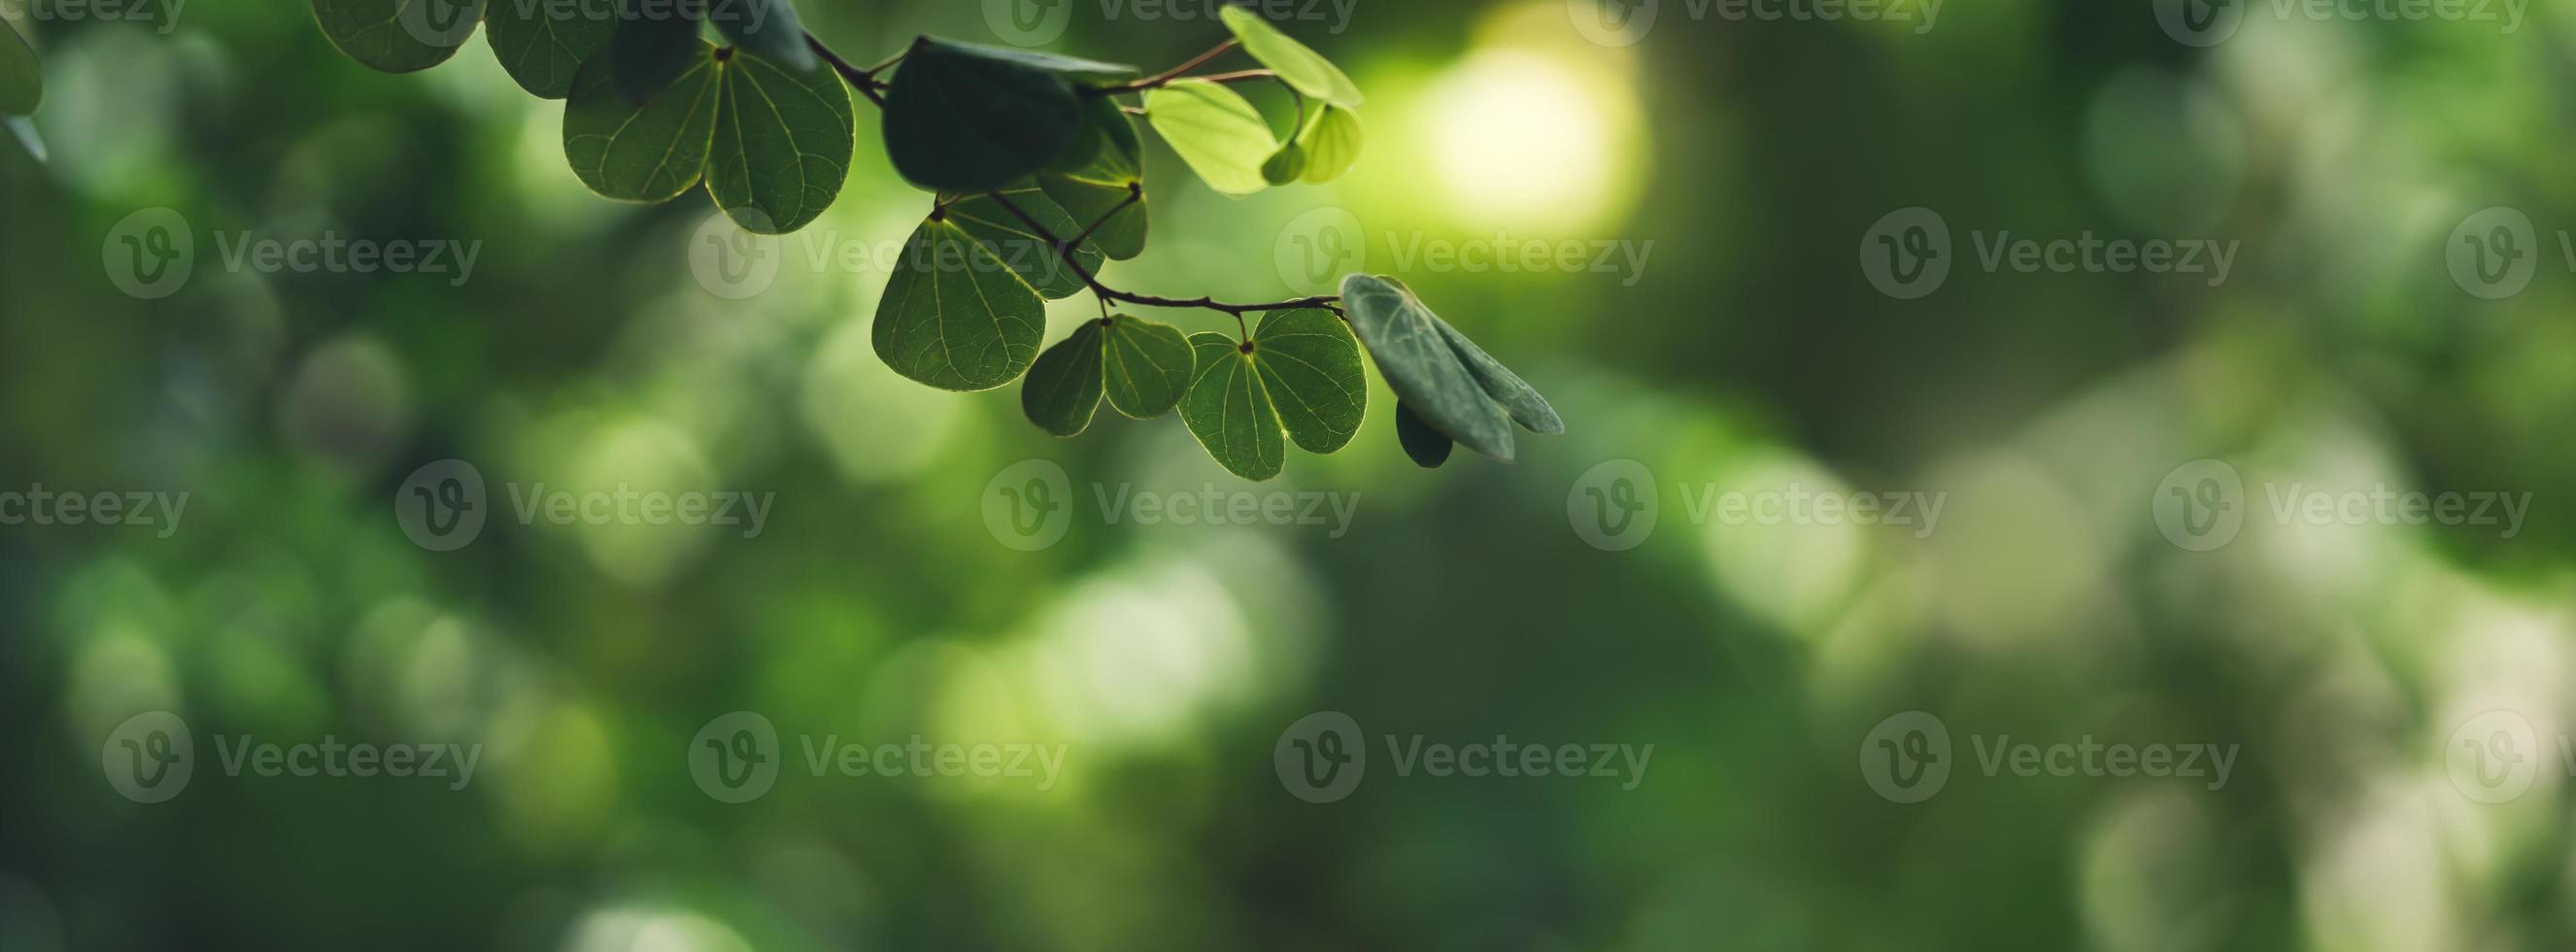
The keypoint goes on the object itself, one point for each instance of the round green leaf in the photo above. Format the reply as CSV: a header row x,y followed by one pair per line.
x,y
955,317
1296,65
1147,365
1518,398
1421,367
22,76
1332,145
1062,389
1008,239
769,28
398,36
783,138
1284,165
542,43
647,53
1310,365
1428,447
965,118
641,152
1219,135
1230,412
1101,183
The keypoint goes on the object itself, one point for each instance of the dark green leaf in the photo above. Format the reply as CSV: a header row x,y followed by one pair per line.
x,y
22,76
1105,180
647,152
1310,365
651,46
1230,412
543,43
1428,447
1518,398
1216,132
1284,165
1147,365
1010,241
768,28
1296,65
398,36
953,316
1074,69
1332,145
1062,389
1421,367
782,142
963,118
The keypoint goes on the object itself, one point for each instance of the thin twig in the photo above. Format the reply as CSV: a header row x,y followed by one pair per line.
x,y
863,80
1168,75
1064,250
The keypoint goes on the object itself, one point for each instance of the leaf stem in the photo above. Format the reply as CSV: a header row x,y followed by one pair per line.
x,y
863,80
1064,250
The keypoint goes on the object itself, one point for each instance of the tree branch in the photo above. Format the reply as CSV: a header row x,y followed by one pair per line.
x,y
1064,251
1168,75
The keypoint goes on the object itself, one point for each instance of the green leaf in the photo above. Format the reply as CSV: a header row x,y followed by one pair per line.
x,y
1010,241
1148,366
1219,135
1296,65
1102,183
1421,367
1518,398
24,130
966,118
22,76
398,36
783,138
1284,165
1310,364
542,43
1332,145
641,152
1428,447
769,28
1062,390
953,316
1229,410
649,52
1075,69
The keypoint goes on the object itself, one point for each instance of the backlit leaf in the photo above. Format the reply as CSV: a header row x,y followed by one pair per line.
x,y
543,43
1296,65
1062,389
1332,144
782,144
1142,366
953,316
768,28
641,152
1310,364
1219,135
398,36
1011,241
1101,184
966,118
1230,412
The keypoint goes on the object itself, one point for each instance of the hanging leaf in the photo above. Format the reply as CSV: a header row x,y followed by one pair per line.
x,y
1428,447
966,118
1299,374
398,36
1062,389
1100,184
1518,398
1009,240
541,50
1142,366
1284,165
783,138
1296,65
768,28
1421,367
1332,144
1230,412
1219,135
22,76
648,151
955,317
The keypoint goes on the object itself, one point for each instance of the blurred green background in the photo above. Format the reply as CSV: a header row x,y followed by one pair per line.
x,y
2348,659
